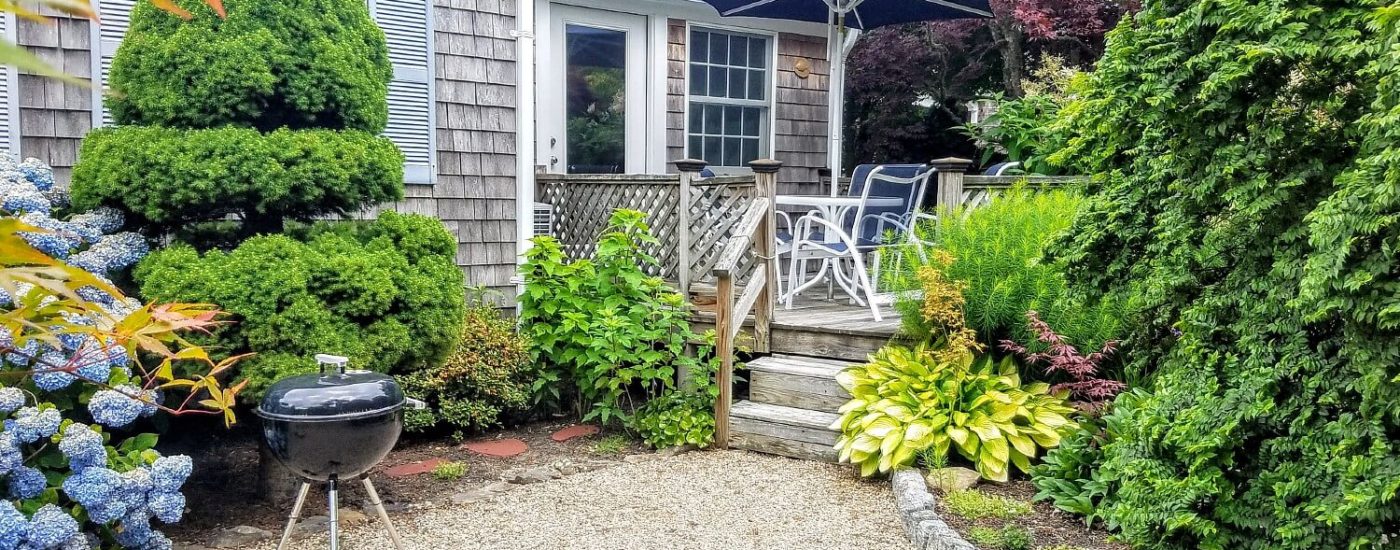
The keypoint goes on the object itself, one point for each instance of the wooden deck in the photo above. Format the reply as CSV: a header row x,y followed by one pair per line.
x,y
834,329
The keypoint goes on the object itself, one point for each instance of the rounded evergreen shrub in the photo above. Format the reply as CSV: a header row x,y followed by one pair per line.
x,y
164,178
485,380
386,293
269,64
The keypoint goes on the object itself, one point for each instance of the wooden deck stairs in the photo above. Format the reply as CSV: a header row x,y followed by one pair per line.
x,y
791,406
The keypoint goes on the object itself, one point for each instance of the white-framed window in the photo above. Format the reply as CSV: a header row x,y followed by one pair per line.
x,y
728,85
408,29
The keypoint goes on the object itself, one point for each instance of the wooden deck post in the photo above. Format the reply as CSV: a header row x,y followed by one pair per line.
x,y
689,172
765,247
724,346
950,181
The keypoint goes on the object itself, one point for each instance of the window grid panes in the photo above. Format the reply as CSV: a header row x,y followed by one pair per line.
x,y
729,103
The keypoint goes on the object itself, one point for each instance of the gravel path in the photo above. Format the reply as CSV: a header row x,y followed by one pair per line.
x,y
698,500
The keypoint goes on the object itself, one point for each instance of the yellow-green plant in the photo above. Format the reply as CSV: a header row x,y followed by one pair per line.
x,y
906,400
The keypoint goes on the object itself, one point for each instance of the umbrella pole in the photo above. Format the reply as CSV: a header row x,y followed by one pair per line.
x,y
836,93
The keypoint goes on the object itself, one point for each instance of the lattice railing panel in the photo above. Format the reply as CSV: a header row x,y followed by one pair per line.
x,y
582,205
716,205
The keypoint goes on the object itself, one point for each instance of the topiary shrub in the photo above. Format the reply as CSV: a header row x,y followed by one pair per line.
x,y
268,114
207,174
385,293
1248,183
485,380
270,64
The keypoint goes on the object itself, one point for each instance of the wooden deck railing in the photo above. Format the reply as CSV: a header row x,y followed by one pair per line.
x,y
691,232
752,242
956,187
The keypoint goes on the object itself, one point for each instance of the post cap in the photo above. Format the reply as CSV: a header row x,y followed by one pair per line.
x,y
765,166
689,165
951,164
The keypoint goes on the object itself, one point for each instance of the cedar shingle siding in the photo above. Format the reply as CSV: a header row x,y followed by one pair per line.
x,y
54,116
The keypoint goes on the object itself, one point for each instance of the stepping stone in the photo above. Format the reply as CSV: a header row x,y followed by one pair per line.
x,y
572,432
414,468
501,448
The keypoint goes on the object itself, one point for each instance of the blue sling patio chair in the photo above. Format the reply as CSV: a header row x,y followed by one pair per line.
x,y
841,241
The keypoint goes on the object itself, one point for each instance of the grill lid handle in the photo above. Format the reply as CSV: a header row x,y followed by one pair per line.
x,y
336,362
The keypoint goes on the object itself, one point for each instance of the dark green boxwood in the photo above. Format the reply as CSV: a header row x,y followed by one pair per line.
x,y
270,64
166,178
386,293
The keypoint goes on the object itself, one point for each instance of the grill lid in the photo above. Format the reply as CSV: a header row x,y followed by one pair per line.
x,y
336,395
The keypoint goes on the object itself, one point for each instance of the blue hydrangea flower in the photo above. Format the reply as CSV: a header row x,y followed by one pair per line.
x,y
11,456
47,375
168,473
158,541
136,487
102,220
32,424
11,399
59,198
167,507
26,482
50,527
18,201
93,364
134,530
116,408
82,446
99,491
13,526
38,173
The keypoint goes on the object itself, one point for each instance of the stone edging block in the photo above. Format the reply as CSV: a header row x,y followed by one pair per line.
x,y
917,511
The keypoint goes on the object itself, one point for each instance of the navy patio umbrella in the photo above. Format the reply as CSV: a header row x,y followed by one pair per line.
x,y
856,14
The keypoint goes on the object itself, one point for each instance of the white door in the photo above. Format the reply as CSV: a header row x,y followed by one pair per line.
x,y
592,92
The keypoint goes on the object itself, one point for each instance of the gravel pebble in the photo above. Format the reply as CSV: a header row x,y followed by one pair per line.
x,y
702,500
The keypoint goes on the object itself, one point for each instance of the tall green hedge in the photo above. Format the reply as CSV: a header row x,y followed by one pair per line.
x,y
165,177
1247,156
269,64
386,293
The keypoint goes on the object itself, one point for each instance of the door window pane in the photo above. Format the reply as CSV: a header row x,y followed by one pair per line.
x,y
595,100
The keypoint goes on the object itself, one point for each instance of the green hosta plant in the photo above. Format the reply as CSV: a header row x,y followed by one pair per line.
x,y
906,400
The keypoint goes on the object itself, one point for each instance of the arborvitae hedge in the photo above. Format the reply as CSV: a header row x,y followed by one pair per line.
x,y
270,64
385,293
1248,164
165,178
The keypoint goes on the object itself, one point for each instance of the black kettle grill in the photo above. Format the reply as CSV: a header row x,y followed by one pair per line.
x,y
332,426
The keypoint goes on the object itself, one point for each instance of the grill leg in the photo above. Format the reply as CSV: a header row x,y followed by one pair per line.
x,y
334,491
296,513
383,514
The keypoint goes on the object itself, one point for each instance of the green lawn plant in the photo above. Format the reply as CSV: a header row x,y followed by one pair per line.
x,y
604,334
1009,537
1246,159
907,400
450,471
975,504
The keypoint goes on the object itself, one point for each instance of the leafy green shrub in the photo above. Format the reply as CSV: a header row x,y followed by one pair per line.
x,y
384,293
1009,537
486,378
974,504
1071,475
602,327
449,471
677,418
165,178
1248,182
906,400
269,64
996,252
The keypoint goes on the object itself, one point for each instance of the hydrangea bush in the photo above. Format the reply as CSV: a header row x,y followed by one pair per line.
x,y
68,349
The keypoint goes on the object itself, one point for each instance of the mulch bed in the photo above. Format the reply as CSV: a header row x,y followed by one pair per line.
x,y
1048,525
223,492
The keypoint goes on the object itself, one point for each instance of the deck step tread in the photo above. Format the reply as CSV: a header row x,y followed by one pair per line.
x,y
790,416
798,366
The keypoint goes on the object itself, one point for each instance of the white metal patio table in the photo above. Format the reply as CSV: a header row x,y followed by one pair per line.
x,y
833,210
